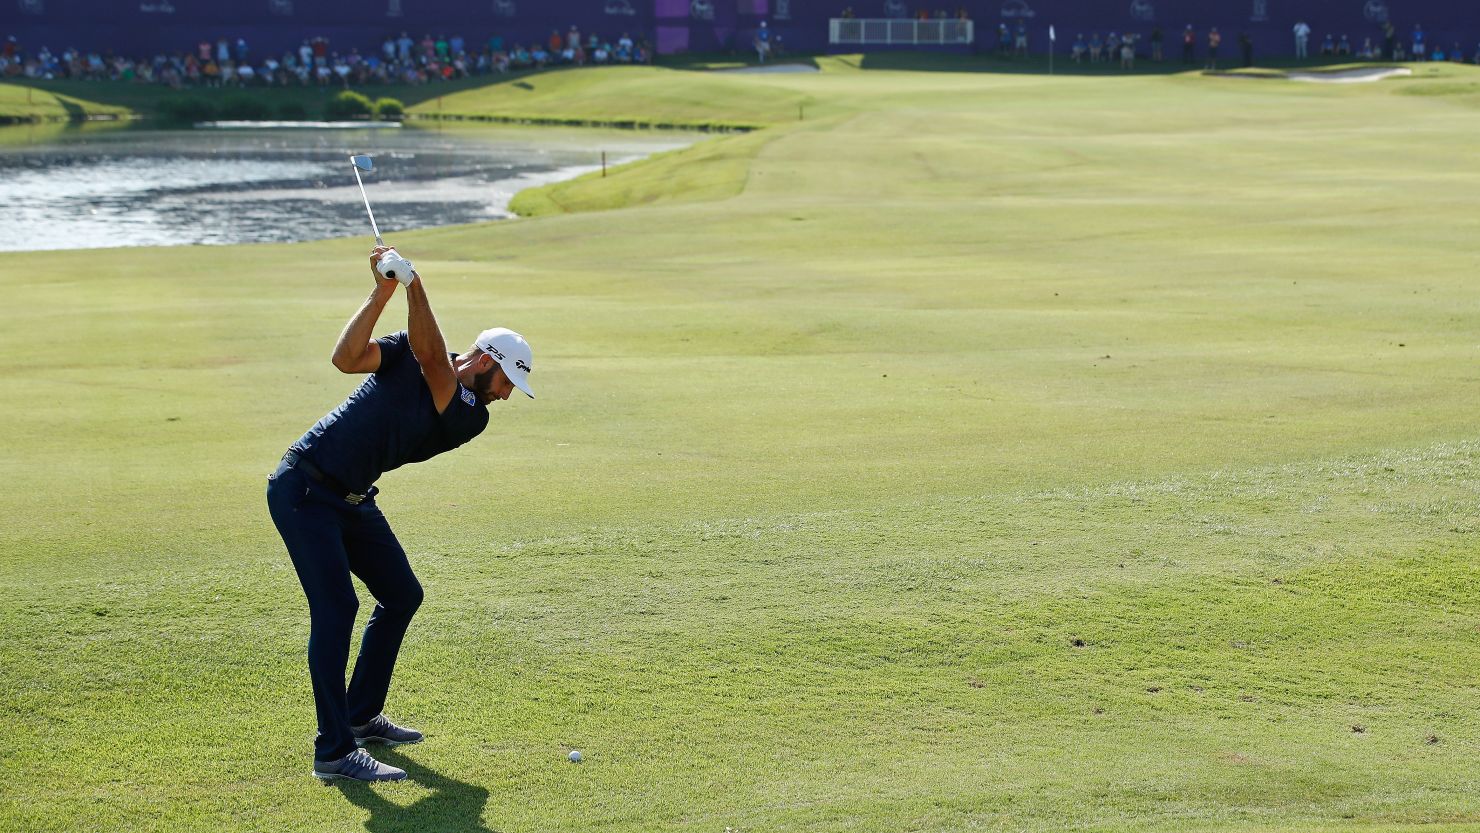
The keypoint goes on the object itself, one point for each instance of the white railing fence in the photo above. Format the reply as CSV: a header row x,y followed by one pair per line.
x,y
950,32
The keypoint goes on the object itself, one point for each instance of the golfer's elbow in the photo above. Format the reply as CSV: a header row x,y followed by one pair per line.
x,y
345,360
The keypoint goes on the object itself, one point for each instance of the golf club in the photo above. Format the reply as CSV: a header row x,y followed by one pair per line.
x,y
366,164
391,262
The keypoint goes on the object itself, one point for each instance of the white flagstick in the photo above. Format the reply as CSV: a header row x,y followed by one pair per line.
x,y
1051,39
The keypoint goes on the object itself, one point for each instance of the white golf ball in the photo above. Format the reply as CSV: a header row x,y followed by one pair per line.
x,y
575,756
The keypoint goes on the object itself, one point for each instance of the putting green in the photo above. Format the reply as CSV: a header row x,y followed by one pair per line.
x,y
978,451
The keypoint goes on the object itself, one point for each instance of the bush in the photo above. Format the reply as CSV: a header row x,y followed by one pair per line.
x,y
245,108
187,109
389,109
292,111
349,105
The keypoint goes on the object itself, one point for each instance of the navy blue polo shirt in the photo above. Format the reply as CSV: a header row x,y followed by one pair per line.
x,y
389,421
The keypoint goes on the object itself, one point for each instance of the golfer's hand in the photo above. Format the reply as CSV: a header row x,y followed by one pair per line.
x,y
381,281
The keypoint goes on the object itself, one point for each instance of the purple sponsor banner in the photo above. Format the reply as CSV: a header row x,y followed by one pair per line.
x,y
142,26
146,26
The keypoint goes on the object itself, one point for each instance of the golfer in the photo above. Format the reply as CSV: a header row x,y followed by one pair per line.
x,y
418,401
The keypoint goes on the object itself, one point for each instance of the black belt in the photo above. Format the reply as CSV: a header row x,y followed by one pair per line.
x,y
298,461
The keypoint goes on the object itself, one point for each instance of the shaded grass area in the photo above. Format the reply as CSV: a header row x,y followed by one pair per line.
x,y
73,100
1101,457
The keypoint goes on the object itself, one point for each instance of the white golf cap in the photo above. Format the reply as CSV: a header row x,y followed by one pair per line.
x,y
511,351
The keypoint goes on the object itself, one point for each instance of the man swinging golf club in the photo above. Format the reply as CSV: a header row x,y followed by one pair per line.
x,y
418,401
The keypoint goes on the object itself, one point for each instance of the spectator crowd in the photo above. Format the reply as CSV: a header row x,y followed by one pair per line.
x,y
399,59
1125,48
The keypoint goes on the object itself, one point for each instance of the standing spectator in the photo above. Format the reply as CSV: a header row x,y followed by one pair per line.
x,y
1096,48
573,37
1302,38
1368,51
456,44
554,44
1418,50
203,51
1020,43
762,42
1344,47
1389,40
223,51
403,47
1004,40
305,54
388,48
1246,46
1128,52
1328,45
1214,39
1112,47
1078,51
442,48
1189,45
1156,38
241,49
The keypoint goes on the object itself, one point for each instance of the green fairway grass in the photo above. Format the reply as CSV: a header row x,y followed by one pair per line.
x,y
977,451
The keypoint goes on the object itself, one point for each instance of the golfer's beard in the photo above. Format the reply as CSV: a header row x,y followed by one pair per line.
x,y
483,384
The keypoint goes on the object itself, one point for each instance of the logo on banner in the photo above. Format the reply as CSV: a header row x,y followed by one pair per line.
x,y
896,8
1018,8
33,6
281,8
1375,11
157,8
783,10
621,7
394,9
1261,12
1143,10
504,8
701,9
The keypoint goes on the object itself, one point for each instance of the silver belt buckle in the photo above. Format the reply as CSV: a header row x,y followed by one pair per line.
x,y
353,499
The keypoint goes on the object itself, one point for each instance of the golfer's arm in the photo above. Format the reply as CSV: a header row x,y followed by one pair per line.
x,y
428,346
356,351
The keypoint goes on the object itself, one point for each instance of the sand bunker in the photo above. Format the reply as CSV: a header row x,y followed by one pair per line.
x,y
1359,75
773,68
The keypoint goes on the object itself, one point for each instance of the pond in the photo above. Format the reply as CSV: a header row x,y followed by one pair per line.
x,y
85,188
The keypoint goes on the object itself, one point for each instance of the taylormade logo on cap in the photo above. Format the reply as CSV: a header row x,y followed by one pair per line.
x,y
512,353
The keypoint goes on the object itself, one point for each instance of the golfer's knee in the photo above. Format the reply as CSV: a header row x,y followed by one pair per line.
x,y
409,599
334,613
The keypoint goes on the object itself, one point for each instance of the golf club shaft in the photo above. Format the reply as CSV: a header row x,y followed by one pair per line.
x,y
366,198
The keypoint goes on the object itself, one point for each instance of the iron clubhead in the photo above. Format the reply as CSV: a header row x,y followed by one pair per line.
x,y
364,163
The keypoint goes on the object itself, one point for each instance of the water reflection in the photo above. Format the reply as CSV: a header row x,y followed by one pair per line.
x,y
73,189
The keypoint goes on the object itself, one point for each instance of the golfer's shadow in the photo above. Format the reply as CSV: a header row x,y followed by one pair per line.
x,y
453,807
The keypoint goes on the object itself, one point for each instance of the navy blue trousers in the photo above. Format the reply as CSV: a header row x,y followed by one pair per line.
x,y
328,539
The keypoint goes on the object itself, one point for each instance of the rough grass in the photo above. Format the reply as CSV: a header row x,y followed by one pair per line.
x,y
1006,452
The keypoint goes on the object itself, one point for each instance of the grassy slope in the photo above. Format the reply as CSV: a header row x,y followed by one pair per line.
x,y
20,102
824,483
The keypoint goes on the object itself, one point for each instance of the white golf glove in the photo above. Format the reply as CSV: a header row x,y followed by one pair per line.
x,y
392,265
